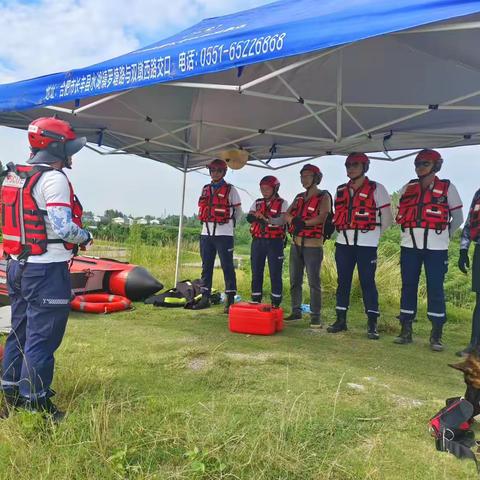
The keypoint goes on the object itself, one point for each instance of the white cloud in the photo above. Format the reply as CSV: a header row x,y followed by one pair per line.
x,y
55,35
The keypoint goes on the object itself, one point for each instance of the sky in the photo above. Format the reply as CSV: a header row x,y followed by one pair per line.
x,y
46,36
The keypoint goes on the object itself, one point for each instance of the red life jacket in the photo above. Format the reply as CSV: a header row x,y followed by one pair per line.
x,y
357,211
23,223
214,204
425,209
270,209
306,209
475,221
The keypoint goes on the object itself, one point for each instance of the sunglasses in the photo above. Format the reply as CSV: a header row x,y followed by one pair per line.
x,y
216,170
424,163
352,164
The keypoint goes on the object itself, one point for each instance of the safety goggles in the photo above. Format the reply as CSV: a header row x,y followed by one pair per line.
x,y
423,163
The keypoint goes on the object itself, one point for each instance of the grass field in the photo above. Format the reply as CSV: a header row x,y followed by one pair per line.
x,y
172,394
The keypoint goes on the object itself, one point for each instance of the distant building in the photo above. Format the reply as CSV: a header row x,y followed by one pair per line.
x,y
119,221
142,221
154,222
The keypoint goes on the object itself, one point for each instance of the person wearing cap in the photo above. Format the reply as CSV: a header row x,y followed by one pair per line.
x,y
219,209
306,218
429,213
471,233
41,232
362,213
267,219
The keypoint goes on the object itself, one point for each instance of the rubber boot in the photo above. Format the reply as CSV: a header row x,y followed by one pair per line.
x,y
340,324
203,303
405,335
436,338
229,301
372,333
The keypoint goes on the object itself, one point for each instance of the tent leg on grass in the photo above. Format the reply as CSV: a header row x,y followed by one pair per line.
x,y
180,223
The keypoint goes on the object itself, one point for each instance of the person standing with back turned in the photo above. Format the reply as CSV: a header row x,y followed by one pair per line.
x,y
42,229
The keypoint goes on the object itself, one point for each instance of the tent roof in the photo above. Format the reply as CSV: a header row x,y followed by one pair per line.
x,y
292,78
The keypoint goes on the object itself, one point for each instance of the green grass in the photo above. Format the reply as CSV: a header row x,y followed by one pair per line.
x,y
172,394
158,393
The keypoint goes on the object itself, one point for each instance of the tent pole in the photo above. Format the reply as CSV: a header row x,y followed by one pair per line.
x,y
180,223
339,94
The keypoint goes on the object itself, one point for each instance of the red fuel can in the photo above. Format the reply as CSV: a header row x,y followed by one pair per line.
x,y
255,318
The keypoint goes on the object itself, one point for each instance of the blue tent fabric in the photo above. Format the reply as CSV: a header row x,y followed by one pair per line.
x,y
282,29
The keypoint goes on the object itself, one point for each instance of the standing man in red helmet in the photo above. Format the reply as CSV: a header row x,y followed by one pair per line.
x,y
471,233
429,212
219,208
306,218
362,213
41,231
267,219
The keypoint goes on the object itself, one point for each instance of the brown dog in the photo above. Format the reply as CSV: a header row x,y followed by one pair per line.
x,y
471,374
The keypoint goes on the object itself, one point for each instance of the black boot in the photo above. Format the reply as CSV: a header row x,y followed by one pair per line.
x,y
203,303
45,406
372,333
475,336
293,317
315,322
340,324
436,338
276,301
257,298
229,301
405,335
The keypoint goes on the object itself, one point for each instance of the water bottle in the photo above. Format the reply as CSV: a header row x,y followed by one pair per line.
x,y
305,308
223,298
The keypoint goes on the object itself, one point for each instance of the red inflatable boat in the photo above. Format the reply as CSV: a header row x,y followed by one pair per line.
x,y
100,275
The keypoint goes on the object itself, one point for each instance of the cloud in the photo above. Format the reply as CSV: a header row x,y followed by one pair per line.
x,y
48,36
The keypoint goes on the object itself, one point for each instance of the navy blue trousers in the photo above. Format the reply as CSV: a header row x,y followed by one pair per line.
x,y
40,301
435,263
209,247
270,249
365,258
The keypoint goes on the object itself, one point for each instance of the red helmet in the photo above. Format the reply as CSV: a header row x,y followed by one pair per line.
x,y
217,163
308,167
360,158
428,155
271,181
54,135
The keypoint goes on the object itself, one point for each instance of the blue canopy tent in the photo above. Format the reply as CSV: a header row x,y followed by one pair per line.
x,y
295,78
